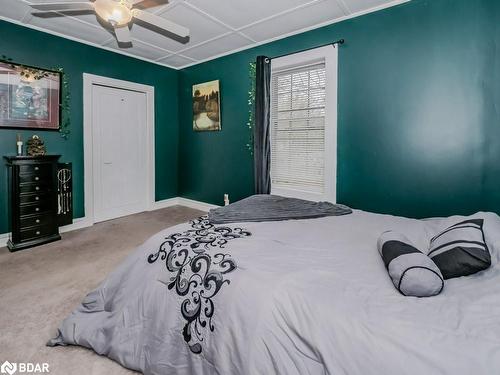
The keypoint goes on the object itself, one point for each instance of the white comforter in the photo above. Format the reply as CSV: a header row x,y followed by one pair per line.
x,y
307,297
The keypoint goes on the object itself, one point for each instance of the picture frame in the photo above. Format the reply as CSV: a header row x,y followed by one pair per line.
x,y
30,97
206,106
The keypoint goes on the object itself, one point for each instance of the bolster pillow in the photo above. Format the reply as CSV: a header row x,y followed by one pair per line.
x,y
412,272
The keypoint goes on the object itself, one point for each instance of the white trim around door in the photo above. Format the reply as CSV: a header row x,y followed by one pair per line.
x,y
88,81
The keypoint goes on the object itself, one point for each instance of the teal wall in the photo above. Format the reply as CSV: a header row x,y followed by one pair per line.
x,y
418,128
419,100
31,47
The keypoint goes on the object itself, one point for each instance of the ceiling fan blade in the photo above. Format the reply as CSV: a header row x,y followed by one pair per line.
x,y
123,34
143,4
54,7
161,23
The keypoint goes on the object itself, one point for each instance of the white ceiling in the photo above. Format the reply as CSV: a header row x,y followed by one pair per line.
x,y
218,27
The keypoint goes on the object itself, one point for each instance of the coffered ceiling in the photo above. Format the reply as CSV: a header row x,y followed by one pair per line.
x,y
218,27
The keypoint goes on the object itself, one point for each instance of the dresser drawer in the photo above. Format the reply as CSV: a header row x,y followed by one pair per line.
x,y
31,221
42,169
35,209
34,178
33,198
38,232
30,188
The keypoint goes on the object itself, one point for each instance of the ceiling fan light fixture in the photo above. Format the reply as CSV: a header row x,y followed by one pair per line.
x,y
116,16
117,13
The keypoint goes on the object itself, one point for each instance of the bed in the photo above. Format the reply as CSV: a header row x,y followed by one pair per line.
x,y
288,297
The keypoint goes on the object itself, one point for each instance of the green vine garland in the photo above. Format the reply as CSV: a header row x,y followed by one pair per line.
x,y
37,74
251,105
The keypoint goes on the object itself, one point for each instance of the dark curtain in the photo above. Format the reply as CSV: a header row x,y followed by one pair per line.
x,y
261,145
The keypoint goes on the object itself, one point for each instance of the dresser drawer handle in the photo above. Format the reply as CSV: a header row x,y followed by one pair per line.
x,y
37,178
37,232
37,188
37,168
37,209
37,198
37,221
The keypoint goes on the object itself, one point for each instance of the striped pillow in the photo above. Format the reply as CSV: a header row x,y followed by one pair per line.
x,y
461,249
412,272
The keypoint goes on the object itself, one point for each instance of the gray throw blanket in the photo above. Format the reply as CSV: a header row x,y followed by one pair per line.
x,y
274,208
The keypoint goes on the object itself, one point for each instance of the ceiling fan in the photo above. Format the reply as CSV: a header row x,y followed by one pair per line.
x,y
119,14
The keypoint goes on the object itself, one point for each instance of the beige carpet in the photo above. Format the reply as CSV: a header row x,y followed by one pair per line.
x,y
39,287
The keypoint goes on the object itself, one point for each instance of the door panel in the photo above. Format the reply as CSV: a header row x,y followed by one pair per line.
x,y
119,152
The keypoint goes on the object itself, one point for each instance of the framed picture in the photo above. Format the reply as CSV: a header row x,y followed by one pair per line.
x,y
29,97
206,106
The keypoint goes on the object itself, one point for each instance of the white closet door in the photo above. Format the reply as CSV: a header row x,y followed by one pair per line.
x,y
119,152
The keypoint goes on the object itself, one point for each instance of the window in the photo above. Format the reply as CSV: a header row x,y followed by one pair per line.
x,y
303,124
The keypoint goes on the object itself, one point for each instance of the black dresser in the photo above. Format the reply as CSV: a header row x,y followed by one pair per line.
x,y
33,200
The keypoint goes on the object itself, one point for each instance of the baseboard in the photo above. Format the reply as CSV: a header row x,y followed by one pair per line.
x,y
202,206
80,223
85,222
164,204
4,238
180,201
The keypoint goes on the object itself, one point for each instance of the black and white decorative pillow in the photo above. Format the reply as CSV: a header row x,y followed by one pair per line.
x,y
412,272
461,249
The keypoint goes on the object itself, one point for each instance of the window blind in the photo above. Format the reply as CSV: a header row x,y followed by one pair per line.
x,y
298,101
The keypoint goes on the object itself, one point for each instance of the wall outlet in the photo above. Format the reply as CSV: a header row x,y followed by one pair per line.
x,y
226,199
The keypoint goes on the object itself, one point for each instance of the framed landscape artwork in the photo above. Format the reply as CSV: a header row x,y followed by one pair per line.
x,y
29,97
206,106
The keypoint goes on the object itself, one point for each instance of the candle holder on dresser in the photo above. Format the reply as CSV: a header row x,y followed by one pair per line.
x,y
33,202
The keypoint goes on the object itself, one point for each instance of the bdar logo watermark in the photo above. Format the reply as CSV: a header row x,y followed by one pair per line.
x,y
8,368
24,368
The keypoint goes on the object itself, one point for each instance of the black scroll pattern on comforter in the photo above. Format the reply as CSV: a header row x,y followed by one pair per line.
x,y
198,274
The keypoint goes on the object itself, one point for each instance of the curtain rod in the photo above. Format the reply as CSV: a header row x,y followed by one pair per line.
x,y
340,41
